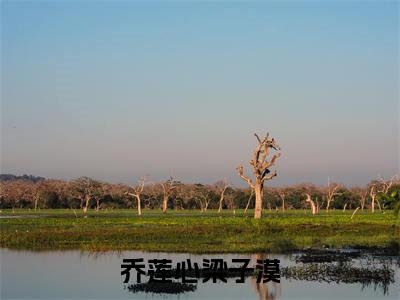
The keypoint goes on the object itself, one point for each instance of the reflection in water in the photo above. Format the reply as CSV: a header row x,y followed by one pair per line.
x,y
340,268
96,275
266,291
161,288
350,266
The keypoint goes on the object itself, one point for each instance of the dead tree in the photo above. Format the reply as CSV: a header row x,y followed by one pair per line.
x,y
372,194
168,187
363,194
261,171
204,196
386,185
248,201
222,189
317,205
354,212
137,191
313,206
377,187
85,188
331,192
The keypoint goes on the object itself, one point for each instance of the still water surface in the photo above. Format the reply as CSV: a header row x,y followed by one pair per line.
x,y
83,275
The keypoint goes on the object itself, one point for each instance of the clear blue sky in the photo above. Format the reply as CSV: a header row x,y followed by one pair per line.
x,y
117,90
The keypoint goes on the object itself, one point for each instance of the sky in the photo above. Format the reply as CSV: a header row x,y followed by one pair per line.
x,y
116,90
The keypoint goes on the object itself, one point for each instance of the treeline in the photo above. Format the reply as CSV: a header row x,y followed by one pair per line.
x,y
6,177
36,192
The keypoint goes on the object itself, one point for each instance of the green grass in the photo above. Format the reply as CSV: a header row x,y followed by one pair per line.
x,y
196,232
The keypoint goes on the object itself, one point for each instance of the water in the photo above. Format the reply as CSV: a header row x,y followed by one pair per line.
x,y
82,275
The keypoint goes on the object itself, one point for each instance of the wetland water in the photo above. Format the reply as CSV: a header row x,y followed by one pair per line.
x,y
83,275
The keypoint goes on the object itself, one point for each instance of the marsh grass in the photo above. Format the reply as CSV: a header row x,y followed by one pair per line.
x,y
196,232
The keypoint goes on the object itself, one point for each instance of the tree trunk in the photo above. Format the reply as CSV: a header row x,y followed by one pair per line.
x,y
165,204
313,206
373,203
258,191
139,206
85,209
327,205
354,212
248,202
379,204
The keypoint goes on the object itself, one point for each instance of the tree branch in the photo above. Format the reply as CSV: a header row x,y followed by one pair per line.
x,y
269,177
244,177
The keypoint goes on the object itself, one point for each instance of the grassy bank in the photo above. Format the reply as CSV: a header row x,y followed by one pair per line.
x,y
196,232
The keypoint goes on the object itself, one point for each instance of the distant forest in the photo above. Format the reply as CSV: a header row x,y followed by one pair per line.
x,y
6,177
34,192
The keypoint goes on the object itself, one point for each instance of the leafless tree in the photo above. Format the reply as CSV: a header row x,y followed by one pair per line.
x,y
354,212
204,196
261,171
331,192
168,187
137,191
102,190
317,205
84,188
230,199
373,193
248,201
222,186
38,188
386,185
379,186
362,194
312,203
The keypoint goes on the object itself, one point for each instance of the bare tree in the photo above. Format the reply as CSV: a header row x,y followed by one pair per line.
x,y
168,187
137,191
222,186
261,171
386,185
85,188
36,196
354,212
376,187
248,201
313,206
204,196
362,194
102,190
331,192
318,206
372,194
230,200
